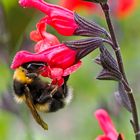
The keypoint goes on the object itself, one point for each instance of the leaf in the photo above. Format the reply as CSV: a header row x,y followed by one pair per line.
x,y
122,97
88,28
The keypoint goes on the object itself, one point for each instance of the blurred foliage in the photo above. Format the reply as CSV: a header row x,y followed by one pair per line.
x,y
75,122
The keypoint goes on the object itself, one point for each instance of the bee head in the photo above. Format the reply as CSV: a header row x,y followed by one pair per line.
x,y
34,67
20,75
28,71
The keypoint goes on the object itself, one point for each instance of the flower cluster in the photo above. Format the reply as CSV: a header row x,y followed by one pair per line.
x,y
60,59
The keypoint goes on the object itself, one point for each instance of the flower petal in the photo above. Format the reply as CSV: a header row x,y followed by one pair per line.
x,y
106,124
56,73
38,34
58,56
24,57
62,58
72,69
46,43
103,138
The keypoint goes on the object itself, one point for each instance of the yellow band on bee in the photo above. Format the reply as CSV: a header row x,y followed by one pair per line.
x,y
20,75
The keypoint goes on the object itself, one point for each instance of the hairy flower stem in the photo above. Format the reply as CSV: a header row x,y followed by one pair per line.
x,y
135,122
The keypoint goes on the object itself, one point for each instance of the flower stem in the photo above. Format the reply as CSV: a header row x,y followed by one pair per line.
x,y
116,48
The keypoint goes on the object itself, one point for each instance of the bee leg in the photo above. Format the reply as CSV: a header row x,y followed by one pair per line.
x,y
51,100
48,93
62,89
54,90
53,97
45,97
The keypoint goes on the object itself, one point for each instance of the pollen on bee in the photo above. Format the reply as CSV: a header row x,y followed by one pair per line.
x,y
42,107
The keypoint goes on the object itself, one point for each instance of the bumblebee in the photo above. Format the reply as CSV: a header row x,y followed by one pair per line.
x,y
43,96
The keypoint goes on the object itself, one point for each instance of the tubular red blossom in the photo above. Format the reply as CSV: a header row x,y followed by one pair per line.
x,y
60,60
55,56
106,125
60,18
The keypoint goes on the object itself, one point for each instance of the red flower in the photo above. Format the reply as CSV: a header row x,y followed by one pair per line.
x,y
60,61
44,40
106,125
123,8
120,8
75,4
60,18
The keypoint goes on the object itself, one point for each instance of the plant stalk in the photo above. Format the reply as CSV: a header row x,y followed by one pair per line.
x,y
116,48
